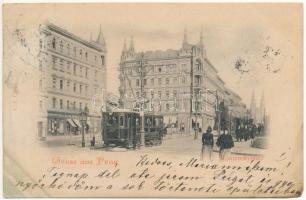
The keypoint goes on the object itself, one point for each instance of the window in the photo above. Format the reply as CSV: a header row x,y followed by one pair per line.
x,y
137,94
68,85
40,65
74,87
167,106
183,79
152,81
167,94
121,121
174,80
96,74
86,72
40,105
54,62
159,81
54,43
54,82
86,56
81,87
137,82
68,66
53,102
81,70
159,94
81,53
80,106
167,81
61,65
61,46
61,103
102,60
68,105
68,49
61,84
95,59
86,89
175,94
74,105
144,81
159,70
40,44
74,51
74,69
40,84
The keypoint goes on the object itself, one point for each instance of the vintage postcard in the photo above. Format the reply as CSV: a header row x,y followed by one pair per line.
x,y
153,100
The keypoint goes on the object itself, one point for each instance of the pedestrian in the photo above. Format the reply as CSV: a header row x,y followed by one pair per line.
x,y
225,143
253,132
238,133
207,143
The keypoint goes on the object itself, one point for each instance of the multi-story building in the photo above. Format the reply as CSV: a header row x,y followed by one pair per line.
x,y
72,78
181,84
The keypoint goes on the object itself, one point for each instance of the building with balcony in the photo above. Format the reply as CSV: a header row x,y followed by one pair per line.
x,y
182,84
72,78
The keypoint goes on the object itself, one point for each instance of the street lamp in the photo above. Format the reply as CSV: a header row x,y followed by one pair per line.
x,y
83,119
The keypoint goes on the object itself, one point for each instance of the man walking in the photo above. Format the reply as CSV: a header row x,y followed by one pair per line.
x,y
207,144
225,143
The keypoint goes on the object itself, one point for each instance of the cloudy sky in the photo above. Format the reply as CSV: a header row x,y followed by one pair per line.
x,y
251,33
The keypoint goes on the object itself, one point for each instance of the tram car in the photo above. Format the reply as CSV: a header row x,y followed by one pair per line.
x,y
122,128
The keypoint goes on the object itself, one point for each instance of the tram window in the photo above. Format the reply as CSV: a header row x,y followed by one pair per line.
x,y
137,121
121,123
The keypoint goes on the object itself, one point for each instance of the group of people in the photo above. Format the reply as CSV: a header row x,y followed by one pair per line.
x,y
224,142
248,131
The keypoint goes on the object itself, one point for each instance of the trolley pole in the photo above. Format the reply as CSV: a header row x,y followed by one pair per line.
x,y
142,131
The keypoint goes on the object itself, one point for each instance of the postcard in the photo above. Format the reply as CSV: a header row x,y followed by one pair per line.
x,y
153,100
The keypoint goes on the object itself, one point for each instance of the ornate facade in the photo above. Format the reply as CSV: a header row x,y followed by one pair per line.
x,y
181,84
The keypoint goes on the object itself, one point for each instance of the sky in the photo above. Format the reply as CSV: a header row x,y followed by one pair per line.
x,y
248,33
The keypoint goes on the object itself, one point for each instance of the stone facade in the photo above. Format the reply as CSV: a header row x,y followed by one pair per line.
x,y
72,75
181,84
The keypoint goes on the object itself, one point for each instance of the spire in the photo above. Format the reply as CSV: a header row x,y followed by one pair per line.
x,y
185,40
100,40
201,37
253,106
132,48
124,46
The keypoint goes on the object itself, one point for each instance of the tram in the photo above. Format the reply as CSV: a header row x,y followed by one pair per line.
x,y
122,128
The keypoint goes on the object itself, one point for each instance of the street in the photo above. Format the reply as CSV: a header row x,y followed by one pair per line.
x,y
175,145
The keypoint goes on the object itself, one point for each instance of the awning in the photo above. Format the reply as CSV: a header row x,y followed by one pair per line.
x,y
77,122
71,123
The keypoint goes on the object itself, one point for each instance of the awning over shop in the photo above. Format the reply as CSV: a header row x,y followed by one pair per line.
x,y
77,122
71,123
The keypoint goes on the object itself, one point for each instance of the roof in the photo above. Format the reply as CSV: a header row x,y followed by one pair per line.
x,y
68,34
169,53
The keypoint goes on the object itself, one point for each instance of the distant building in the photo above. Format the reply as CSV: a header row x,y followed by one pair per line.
x,y
72,78
181,84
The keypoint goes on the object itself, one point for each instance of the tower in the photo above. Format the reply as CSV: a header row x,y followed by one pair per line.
x,y
253,107
262,108
100,39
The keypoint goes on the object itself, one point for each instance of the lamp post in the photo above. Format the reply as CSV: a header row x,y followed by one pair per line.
x,y
83,119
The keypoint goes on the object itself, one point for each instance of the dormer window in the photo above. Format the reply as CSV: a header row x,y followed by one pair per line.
x,y
53,43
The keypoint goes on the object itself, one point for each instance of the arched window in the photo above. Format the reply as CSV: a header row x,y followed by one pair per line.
x,y
198,65
61,46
